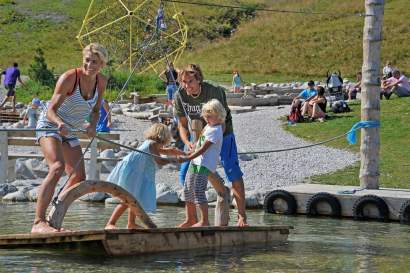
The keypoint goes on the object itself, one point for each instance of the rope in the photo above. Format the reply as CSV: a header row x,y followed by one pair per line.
x,y
358,14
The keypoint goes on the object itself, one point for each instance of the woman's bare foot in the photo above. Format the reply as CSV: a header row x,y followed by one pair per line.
x,y
187,223
133,226
110,226
201,224
42,227
64,230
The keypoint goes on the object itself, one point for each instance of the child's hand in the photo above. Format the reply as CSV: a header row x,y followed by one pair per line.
x,y
181,159
179,152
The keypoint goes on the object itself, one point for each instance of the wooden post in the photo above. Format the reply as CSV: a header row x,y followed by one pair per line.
x,y
4,151
94,173
370,104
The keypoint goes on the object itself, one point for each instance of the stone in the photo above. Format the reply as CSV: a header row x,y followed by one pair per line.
x,y
18,196
112,200
94,197
211,195
161,188
38,167
32,195
22,171
121,154
168,197
6,189
117,111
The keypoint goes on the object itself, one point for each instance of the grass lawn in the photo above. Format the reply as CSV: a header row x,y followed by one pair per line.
x,y
394,138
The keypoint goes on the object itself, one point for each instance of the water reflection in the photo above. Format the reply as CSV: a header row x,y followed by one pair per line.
x,y
315,245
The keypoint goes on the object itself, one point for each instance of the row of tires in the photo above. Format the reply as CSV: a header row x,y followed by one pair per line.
x,y
282,202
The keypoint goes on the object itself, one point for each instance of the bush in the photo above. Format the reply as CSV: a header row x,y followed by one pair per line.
x,y
39,72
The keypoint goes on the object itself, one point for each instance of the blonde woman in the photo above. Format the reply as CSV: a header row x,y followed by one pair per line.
x,y
204,160
136,172
77,98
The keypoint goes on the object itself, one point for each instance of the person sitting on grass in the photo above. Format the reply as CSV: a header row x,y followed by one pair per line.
x,y
307,93
136,173
204,160
357,87
315,107
397,84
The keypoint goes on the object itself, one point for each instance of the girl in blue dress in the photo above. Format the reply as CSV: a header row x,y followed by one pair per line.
x,y
136,172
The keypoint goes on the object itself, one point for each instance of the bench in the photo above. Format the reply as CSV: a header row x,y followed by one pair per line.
x,y
22,137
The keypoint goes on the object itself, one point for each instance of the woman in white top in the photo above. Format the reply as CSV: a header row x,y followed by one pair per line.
x,y
75,103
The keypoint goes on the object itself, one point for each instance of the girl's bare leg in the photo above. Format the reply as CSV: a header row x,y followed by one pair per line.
x,y
116,214
190,212
203,221
317,112
131,220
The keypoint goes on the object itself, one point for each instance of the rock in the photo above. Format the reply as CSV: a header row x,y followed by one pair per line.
x,y
18,196
94,197
169,197
117,111
211,195
134,144
161,188
6,189
37,167
112,200
121,154
32,195
17,125
253,199
22,171
108,166
19,105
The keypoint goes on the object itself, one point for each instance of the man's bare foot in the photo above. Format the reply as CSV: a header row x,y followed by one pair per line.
x,y
42,227
187,223
201,224
242,222
133,226
64,230
110,226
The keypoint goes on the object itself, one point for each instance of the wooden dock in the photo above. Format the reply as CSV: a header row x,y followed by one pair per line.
x,y
8,116
123,242
383,204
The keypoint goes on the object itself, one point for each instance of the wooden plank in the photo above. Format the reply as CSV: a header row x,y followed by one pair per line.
x,y
41,156
32,134
31,141
4,157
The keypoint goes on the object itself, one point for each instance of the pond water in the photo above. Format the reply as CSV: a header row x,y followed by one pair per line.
x,y
314,245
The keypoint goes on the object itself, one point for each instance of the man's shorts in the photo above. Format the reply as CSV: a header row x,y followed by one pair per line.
x,y
72,141
11,92
229,158
229,161
171,88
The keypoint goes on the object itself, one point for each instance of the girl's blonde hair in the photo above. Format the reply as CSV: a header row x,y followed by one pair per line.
x,y
216,108
193,70
96,48
159,133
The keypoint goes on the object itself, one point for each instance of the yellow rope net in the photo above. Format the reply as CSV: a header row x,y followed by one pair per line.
x,y
128,28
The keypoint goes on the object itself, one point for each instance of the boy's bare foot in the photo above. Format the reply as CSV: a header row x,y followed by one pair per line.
x,y
242,222
110,226
133,226
42,227
201,224
187,223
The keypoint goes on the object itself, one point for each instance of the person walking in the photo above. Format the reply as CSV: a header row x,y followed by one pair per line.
x,y
11,76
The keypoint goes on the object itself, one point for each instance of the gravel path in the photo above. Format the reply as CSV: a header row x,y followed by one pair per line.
x,y
255,131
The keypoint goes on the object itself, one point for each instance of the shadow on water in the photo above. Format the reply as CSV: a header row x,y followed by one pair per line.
x,y
315,245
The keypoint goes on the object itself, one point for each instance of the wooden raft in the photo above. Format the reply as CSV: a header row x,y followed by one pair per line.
x,y
144,241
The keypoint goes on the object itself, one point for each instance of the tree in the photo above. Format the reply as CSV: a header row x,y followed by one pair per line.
x,y
39,72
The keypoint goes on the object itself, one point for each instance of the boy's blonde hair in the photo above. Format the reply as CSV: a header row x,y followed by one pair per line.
x,y
96,48
214,107
159,133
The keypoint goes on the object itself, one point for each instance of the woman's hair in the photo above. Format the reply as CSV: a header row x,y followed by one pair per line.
x,y
193,70
96,48
320,90
216,108
159,133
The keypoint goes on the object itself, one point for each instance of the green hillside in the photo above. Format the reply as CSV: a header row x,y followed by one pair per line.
x,y
271,46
